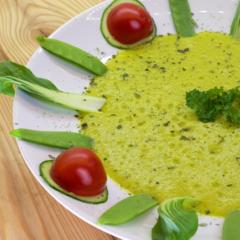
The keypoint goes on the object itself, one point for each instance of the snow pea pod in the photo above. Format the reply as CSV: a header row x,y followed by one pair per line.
x,y
63,140
231,230
235,27
127,210
73,54
182,18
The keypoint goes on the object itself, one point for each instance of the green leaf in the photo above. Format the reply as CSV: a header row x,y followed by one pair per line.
x,y
7,88
231,229
63,140
73,54
235,27
165,229
127,210
75,101
177,220
182,18
8,68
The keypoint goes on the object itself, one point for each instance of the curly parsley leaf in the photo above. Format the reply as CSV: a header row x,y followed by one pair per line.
x,y
209,105
231,111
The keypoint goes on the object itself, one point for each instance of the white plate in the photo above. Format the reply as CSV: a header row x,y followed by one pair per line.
x,y
83,31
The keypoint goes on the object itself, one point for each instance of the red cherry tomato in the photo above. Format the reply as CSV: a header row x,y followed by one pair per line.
x,y
129,23
80,171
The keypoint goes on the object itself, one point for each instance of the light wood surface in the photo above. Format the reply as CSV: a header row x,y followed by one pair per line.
x,y
27,212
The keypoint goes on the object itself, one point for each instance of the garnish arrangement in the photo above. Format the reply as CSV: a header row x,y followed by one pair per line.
x,y
160,106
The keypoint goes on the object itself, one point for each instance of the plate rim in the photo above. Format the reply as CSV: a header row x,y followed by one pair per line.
x,y
14,110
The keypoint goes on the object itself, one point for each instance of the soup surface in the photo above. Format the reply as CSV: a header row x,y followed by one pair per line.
x,y
150,141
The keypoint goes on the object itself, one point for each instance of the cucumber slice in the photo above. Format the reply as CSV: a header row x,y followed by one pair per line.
x,y
44,169
107,35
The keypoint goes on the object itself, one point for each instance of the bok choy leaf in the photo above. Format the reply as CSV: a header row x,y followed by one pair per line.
x,y
177,220
75,101
8,68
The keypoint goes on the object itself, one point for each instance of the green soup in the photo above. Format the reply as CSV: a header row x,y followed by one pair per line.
x,y
150,141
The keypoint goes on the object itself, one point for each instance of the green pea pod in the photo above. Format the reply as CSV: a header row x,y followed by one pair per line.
x,y
235,27
127,210
182,18
73,54
231,230
63,140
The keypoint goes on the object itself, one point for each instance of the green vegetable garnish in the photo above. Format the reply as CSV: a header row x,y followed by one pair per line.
x,y
127,210
231,229
8,68
63,140
182,18
207,104
235,27
73,54
177,220
210,104
73,101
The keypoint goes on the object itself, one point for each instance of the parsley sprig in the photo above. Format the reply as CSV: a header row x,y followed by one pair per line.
x,y
210,104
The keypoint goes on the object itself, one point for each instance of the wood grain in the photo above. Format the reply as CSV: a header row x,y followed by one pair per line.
x,y
27,212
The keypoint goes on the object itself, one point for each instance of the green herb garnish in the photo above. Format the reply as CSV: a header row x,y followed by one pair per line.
x,y
210,104
63,140
235,27
8,68
73,101
207,104
231,230
182,18
73,54
177,220
127,210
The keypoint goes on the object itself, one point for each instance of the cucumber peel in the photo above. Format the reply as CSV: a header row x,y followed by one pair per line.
x,y
44,170
107,35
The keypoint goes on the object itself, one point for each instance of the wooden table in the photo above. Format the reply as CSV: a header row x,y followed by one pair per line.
x,y
27,212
